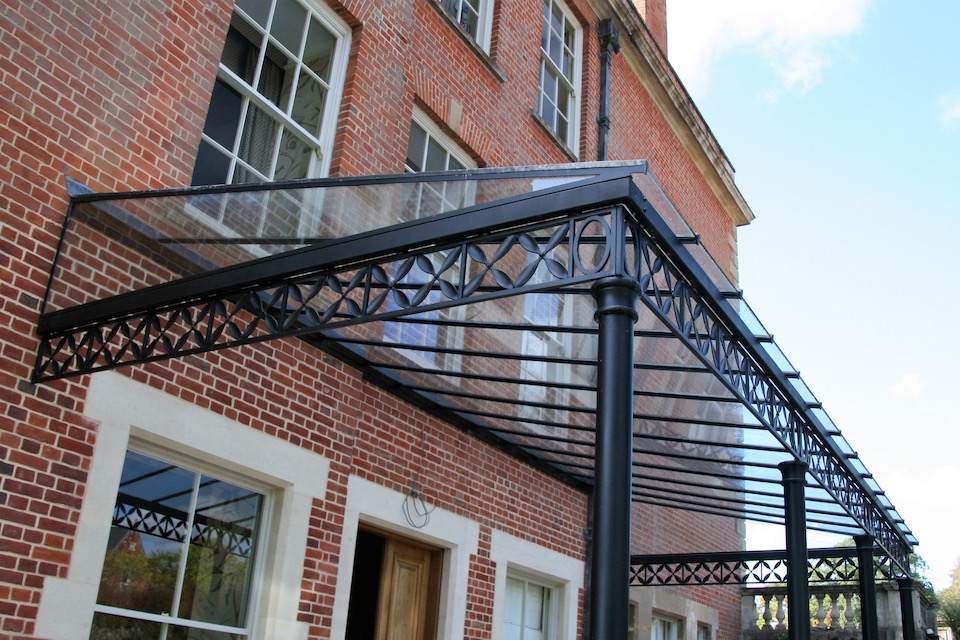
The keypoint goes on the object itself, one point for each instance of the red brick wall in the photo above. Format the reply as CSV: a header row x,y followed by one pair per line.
x,y
114,94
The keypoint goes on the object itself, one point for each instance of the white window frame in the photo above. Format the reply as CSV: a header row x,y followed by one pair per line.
x,y
654,604
134,415
453,9
557,344
371,504
435,133
548,611
516,557
633,632
323,143
663,627
572,83
203,469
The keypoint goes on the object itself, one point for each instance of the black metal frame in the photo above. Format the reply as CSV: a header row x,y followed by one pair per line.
x,y
316,291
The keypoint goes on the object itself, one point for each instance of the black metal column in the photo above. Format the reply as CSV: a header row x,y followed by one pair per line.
x,y
907,615
866,573
798,589
610,574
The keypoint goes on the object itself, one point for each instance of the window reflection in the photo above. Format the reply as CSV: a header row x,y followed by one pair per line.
x,y
181,546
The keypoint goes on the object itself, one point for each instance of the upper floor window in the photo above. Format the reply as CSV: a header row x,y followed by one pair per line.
x,y
273,108
475,17
560,55
429,149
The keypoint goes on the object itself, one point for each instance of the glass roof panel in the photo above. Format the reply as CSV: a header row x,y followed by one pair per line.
x,y
468,293
197,230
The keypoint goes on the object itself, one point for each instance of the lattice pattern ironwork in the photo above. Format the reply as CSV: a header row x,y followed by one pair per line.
x,y
468,271
826,566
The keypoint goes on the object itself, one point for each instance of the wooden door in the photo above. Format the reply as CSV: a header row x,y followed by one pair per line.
x,y
409,592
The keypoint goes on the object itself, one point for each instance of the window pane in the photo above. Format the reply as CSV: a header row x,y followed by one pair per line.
x,y
533,614
293,161
287,27
241,49
513,609
436,157
212,166
220,559
319,49
258,141
146,540
256,9
116,628
224,119
416,147
273,77
308,103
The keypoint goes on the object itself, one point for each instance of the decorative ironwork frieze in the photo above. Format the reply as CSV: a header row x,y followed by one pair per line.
x,y
574,251
825,566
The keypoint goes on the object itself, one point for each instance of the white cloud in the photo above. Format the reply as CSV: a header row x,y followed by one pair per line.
x,y
909,386
950,110
792,37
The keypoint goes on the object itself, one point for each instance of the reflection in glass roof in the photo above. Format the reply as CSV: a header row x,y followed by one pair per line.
x,y
469,293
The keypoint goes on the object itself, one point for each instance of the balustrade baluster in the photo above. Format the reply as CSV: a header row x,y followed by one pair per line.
x,y
835,611
767,613
781,613
820,617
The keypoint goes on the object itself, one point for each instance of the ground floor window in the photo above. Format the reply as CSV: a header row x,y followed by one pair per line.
x,y
704,632
528,614
180,556
664,628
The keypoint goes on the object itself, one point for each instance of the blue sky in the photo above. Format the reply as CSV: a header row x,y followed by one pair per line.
x,y
842,119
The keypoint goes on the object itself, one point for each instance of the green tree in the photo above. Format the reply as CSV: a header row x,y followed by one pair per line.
x,y
950,601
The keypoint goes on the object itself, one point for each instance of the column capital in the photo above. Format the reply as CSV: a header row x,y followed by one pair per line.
x,y
616,295
793,470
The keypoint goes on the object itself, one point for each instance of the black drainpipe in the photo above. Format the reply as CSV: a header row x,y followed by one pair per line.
x,y
609,45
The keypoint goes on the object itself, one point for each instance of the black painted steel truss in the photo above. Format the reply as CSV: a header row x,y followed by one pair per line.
x,y
556,241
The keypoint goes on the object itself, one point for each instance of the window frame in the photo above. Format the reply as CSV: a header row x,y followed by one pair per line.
x,y
513,556
484,35
320,143
256,576
548,611
571,141
443,336
659,620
